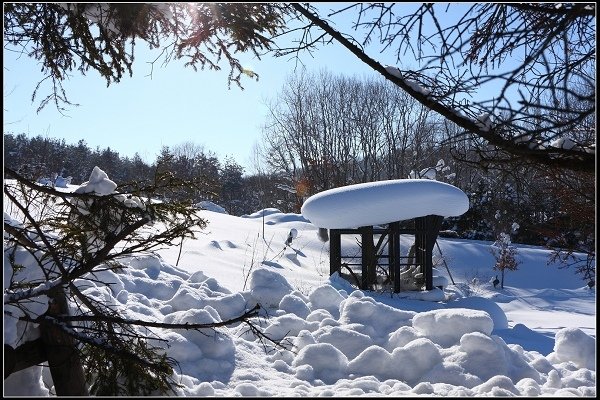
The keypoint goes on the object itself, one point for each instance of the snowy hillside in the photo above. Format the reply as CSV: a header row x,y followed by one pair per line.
x,y
535,337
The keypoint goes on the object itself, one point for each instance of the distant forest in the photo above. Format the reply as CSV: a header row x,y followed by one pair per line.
x,y
43,158
496,202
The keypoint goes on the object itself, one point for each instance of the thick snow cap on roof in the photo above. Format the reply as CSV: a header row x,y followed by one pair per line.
x,y
376,203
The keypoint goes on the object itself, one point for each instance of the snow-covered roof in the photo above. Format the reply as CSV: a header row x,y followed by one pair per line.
x,y
382,202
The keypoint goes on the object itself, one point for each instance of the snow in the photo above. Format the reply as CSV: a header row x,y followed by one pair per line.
x,y
447,327
563,143
63,182
394,71
268,287
382,202
572,344
535,337
479,303
16,331
98,184
417,87
210,206
414,85
484,121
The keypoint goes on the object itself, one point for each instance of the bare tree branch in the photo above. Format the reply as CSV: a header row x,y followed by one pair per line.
x,y
501,135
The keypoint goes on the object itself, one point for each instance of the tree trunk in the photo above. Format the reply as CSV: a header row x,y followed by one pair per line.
x,y
62,353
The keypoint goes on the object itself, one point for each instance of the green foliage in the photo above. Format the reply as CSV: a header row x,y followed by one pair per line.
x,y
232,185
110,374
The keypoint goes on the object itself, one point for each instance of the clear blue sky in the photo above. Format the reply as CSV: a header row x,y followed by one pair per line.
x,y
141,114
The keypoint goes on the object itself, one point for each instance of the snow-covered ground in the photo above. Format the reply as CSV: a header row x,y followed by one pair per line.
x,y
535,337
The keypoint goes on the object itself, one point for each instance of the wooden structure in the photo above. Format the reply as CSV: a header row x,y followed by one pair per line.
x,y
416,265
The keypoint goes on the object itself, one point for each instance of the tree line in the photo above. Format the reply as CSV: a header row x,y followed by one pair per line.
x,y
220,181
327,130
527,145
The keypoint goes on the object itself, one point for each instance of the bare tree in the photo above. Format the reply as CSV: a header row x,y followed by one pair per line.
x,y
464,54
505,255
516,82
327,131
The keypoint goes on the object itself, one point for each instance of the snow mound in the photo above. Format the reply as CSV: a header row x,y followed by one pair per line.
x,y
98,183
262,213
483,304
63,182
326,297
382,202
267,288
572,344
446,327
210,206
338,341
340,344
323,360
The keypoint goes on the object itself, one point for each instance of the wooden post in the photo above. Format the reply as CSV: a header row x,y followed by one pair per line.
x,y
368,257
427,229
335,251
434,224
394,252
420,226
62,353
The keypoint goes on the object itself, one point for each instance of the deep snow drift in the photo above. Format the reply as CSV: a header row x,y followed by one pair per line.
x,y
535,337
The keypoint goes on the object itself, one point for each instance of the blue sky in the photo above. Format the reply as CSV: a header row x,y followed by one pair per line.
x,y
141,114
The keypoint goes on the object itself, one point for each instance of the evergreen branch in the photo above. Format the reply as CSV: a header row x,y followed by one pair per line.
x,y
99,317
103,344
21,237
43,237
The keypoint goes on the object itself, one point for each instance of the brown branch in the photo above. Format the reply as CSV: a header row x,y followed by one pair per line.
x,y
117,320
581,161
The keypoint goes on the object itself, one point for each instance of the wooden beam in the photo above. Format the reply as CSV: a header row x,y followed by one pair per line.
x,y
368,257
335,251
394,252
24,356
427,229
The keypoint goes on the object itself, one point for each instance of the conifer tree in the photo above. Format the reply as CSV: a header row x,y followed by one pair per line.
x,y
72,236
